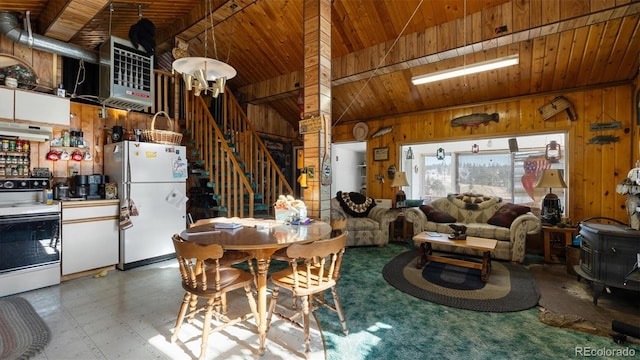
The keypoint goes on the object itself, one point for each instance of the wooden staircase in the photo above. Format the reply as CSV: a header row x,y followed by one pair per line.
x,y
243,178
224,151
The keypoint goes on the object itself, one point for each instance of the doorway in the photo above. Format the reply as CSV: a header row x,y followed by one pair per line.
x,y
349,167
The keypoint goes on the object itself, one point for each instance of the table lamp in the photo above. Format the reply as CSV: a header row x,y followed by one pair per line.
x,y
551,208
399,181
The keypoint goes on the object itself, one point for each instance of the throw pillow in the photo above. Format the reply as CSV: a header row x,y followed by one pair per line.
x,y
436,215
355,204
506,214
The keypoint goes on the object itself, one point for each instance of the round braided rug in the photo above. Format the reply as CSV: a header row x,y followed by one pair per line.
x,y
23,333
509,288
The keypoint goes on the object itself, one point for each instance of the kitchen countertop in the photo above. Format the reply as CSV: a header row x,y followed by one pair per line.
x,y
87,203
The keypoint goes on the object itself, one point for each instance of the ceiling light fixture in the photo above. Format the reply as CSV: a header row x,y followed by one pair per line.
x,y
197,72
467,69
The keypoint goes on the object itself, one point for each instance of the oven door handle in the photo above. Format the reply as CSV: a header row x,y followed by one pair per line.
x,y
29,217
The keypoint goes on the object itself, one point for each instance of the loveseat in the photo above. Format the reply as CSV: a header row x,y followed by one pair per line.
x,y
367,223
483,216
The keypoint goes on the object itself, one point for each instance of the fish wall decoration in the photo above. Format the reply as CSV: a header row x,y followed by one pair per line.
x,y
604,139
382,131
474,120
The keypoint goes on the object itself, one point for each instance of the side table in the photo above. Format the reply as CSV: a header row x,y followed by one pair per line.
x,y
557,234
400,229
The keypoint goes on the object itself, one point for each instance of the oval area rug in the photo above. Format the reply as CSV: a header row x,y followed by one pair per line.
x,y
510,287
23,333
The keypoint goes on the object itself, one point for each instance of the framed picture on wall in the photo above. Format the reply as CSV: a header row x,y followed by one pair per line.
x,y
381,154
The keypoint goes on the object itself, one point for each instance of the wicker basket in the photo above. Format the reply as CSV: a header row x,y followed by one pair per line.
x,y
161,136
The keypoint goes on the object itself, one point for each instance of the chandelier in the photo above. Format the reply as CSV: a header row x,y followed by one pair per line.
x,y
198,72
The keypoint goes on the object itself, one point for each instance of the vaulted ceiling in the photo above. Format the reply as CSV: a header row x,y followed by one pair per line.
x,y
377,45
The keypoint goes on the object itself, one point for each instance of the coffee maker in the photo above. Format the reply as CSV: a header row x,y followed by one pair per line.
x,y
90,187
96,186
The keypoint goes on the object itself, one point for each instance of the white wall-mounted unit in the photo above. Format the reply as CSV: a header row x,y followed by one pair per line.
x,y
42,108
126,75
6,99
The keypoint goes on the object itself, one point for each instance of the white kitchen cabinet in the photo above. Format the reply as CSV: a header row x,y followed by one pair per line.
x,y
42,108
89,235
6,103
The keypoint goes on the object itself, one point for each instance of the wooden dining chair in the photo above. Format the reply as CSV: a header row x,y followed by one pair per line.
x,y
315,269
230,257
338,226
204,277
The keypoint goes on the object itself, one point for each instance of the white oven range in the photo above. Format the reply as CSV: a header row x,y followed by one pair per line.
x,y
29,236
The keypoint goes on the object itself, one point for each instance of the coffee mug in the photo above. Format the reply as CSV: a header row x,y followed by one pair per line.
x,y
53,155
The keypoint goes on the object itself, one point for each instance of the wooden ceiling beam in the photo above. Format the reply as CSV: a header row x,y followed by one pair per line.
x,y
276,88
198,20
62,21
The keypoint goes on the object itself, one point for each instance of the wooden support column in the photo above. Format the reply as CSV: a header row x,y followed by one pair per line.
x,y
317,103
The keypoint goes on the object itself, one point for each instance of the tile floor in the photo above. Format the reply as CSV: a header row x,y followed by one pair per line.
x,y
130,315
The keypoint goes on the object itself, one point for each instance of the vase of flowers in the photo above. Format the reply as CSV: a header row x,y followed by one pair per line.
x,y
630,186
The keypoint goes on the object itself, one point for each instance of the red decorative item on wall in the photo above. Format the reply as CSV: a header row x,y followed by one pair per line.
x,y
475,148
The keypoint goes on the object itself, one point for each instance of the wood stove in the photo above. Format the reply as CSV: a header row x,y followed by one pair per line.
x,y
608,254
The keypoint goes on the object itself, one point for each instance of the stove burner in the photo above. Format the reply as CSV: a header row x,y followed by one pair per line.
x,y
30,184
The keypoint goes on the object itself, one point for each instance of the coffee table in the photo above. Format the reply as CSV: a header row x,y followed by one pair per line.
x,y
425,252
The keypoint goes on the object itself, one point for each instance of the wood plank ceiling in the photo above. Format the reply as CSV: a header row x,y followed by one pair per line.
x,y
377,45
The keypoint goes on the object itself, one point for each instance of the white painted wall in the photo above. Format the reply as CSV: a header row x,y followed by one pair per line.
x,y
345,169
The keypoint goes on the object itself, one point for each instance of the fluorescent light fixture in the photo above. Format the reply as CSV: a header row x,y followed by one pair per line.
x,y
467,70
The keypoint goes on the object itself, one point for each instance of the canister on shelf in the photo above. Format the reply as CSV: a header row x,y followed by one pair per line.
x,y
74,139
66,138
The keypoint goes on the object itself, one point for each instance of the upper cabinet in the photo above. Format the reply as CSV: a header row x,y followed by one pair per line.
x,y
38,107
6,99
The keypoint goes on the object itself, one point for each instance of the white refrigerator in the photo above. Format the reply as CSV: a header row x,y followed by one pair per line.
x,y
151,181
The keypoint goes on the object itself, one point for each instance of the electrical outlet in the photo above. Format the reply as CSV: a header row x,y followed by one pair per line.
x,y
311,172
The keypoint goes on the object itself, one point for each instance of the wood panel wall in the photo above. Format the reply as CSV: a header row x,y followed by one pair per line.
x,y
266,121
97,132
593,172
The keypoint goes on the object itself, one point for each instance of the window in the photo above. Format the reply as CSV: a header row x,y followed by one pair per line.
x,y
495,170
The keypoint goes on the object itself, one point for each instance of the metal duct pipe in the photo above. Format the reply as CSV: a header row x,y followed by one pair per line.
x,y
9,27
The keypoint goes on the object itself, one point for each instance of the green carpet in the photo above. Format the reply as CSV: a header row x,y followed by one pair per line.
x,y
385,323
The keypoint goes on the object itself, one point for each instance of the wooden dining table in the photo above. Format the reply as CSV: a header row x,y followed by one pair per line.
x,y
260,239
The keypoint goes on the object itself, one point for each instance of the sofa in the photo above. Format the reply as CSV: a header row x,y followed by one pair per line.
x,y
483,216
367,223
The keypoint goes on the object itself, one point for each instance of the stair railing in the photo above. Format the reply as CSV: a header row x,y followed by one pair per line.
x,y
253,152
234,192
226,176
